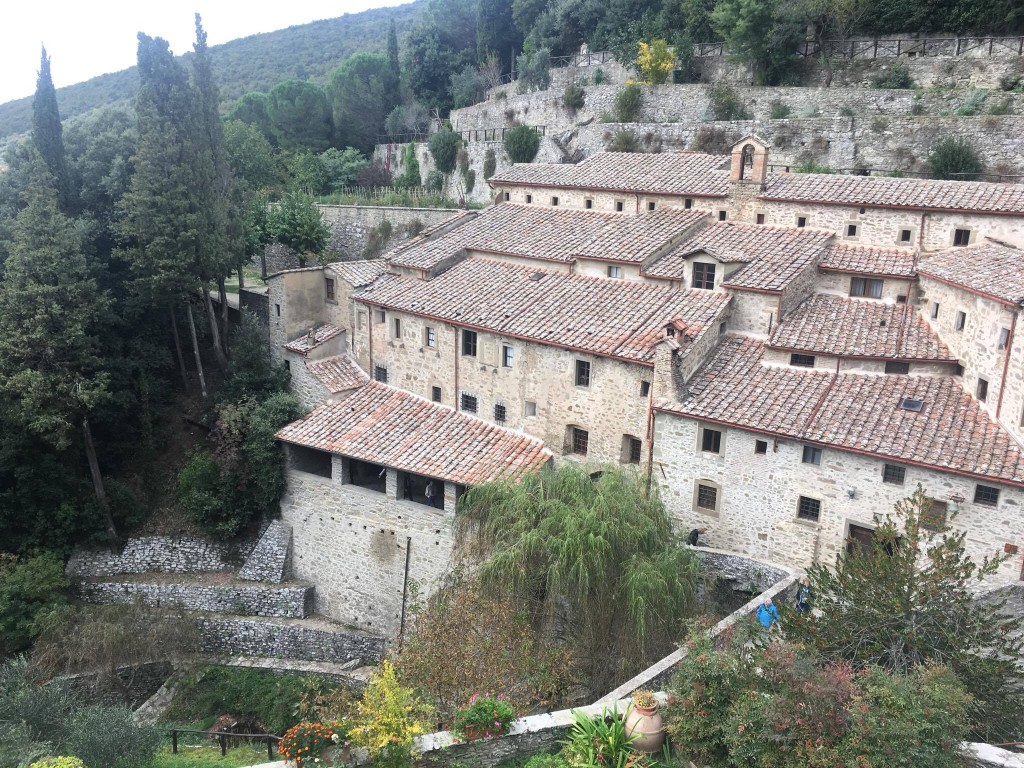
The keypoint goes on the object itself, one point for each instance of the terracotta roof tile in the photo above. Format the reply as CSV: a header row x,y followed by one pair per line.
x,y
885,192
990,268
636,237
887,262
663,173
359,273
857,412
773,255
392,427
615,318
313,338
338,374
837,325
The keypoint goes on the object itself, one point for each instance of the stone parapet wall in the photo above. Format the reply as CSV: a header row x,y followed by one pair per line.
x,y
256,302
161,554
243,600
250,637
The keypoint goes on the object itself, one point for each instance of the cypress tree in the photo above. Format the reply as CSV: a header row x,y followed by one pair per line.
x,y
394,67
48,134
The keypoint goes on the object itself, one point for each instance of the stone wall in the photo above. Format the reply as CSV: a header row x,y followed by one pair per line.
x,y
244,600
132,686
256,302
268,560
251,637
161,554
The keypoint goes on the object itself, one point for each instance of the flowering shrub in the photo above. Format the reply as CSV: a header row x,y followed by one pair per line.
x,y
304,742
484,717
58,762
388,718
655,62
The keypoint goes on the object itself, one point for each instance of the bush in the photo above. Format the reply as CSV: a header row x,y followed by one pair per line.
x,y
490,163
972,104
598,741
342,167
388,718
58,762
434,182
304,742
811,166
628,103
109,736
779,111
410,177
726,104
1012,82
623,141
373,175
655,62
377,240
522,144
31,590
1004,107
40,710
444,148
485,716
898,76
713,141
252,373
574,97
206,494
534,70
954,159
599,76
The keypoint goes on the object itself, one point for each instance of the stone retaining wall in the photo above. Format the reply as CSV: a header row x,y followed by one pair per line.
x,y
243,600
269,559
289,641
256,302
162,554
133,686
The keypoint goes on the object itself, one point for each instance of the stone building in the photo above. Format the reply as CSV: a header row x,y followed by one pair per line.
x,y
785,356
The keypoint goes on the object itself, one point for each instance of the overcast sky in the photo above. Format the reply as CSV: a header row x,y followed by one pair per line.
x,y
86,38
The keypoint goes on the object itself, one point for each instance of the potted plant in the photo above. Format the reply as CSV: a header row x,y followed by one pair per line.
x,y
485,716
644,723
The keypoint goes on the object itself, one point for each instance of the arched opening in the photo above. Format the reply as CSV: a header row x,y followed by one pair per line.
x,y
746,161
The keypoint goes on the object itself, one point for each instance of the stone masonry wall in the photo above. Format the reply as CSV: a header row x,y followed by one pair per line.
x,y
161,554
287,641
268,560
244,600
133,685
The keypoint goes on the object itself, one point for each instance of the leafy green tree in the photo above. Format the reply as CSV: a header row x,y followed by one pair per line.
x,y
534,70
953,158
263,455
602,547
468,87
109,736
100,150
757,33
250,155
522,143
394,68
442,43
254,109
410,117
496,32
31,589
50,311
361,100
296,223
300,116
342,167
910,600
444,148
628,103
48,135
306,173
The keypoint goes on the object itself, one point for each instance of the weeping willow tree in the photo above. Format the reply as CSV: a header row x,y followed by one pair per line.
x,y
595,559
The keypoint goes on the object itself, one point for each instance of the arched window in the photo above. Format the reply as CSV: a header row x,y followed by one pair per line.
x,y
747,160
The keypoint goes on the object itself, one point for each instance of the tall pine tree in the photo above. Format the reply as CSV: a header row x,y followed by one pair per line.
x,y
48,135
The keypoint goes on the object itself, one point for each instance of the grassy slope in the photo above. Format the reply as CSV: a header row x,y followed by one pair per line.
x,y
253,63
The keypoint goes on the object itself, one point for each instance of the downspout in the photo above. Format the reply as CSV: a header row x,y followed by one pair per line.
x,y
405,590
920,236
369,333
455,395
1006,362
638,202
650,435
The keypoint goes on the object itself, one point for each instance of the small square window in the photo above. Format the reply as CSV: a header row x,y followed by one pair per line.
x,y
688,203
1004,337
761,446
529,199
704,276
870,287
645,388
529,408
380,373
961,237
468,403
894,474
801,221
958,369
614,271
711,441
760,218
618,206
588,203
582,373
382,316
707,497
897,367
935,310
329,285
982,390
722,215
435,394
812,455
430,337
651,206
396,328
507,356
912,404
277,309
901,298
851,230
961,321
554,200
634,449
580,441
986,494
469,343
905,235
809,509
801,361
507,197
500,413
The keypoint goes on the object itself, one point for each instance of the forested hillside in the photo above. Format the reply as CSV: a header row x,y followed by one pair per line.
x,y
253,63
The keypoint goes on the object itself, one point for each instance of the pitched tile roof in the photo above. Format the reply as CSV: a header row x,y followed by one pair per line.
x,y
837,325
635,237
887,262
856,412
313,338
885,192
615,318
389,426
993,269
359,273
774,255
339,373
662,173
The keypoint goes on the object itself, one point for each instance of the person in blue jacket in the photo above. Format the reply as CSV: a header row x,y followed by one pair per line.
x,y
768,614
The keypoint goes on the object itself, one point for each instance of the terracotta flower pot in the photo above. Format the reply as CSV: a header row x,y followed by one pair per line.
x,y
648,727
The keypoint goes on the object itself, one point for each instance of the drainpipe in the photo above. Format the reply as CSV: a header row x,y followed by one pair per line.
x,y
1006,363
455,395
405,589
369,332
